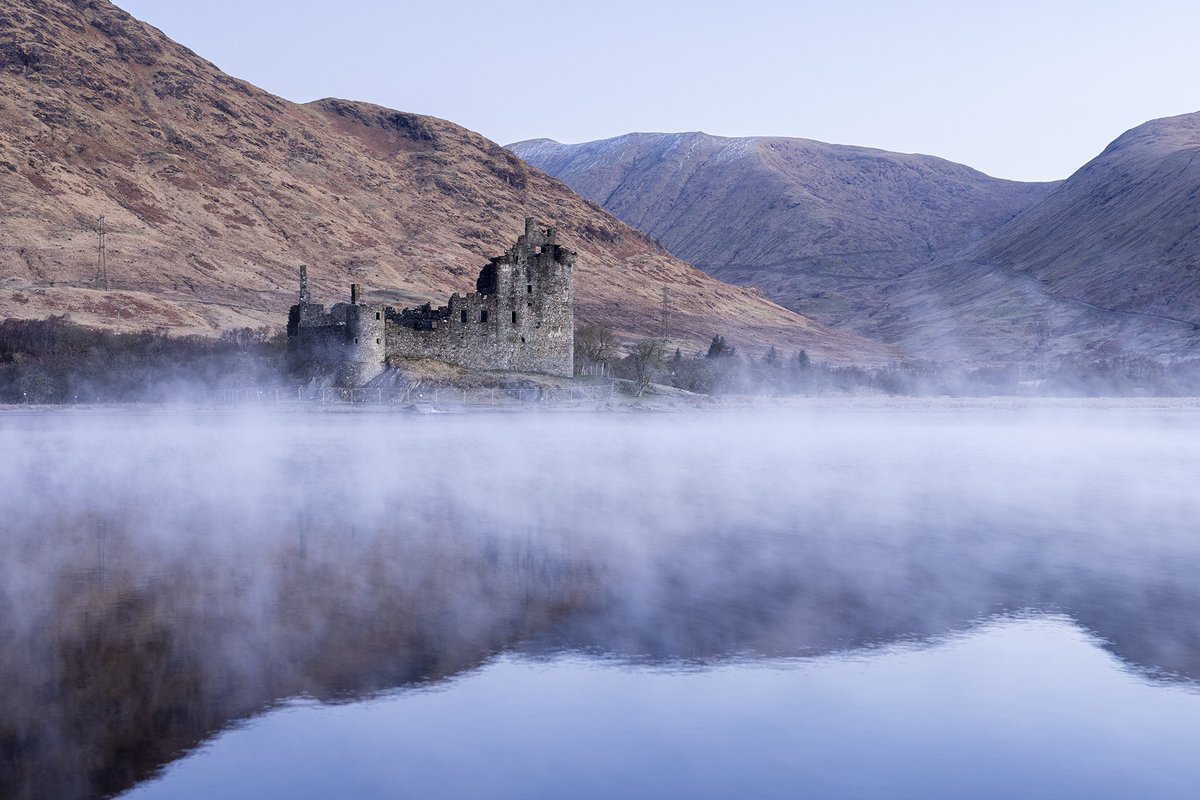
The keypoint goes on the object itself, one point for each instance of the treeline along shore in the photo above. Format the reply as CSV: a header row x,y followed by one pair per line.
x,y
56,361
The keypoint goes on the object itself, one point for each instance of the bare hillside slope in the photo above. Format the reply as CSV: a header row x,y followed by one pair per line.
x,y
215,192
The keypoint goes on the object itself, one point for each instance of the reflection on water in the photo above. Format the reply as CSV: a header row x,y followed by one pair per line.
x,y
737,592
981,715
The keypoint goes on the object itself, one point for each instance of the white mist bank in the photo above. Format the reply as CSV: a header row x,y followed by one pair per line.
x,y
1106,470
181,570
997,487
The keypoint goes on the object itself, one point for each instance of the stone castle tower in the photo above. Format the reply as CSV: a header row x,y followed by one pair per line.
x,y
520,317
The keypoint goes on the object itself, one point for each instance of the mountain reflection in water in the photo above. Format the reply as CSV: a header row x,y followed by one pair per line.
x,y
968,716
166,575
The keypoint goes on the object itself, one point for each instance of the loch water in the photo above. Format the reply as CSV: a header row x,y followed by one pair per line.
x,y
833,598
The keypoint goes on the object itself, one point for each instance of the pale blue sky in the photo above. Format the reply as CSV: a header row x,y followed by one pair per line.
x,y
1023,90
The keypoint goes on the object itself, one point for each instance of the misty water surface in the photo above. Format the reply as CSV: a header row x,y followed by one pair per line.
x,y
985,599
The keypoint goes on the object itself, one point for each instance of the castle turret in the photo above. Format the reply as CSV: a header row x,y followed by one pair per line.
x,y
365,342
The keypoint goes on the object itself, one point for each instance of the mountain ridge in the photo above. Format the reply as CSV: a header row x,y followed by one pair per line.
x,y
215,192
1103,263
1134,207
1105,266
815,225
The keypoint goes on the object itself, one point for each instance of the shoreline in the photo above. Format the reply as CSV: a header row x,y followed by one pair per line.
x,y
625,404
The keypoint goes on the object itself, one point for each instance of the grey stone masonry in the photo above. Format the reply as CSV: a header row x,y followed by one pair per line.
x,y
520,317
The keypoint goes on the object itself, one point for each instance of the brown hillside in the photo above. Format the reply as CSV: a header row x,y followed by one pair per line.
x,y
215,192
821,228
1108,263
1121,233
930,255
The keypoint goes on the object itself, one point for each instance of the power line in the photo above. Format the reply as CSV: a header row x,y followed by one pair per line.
x,y
101,259
666,312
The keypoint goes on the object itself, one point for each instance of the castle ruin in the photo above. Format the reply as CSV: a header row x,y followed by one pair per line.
x,y
520,317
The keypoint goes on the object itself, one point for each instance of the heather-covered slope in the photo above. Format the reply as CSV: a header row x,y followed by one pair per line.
x,y
928,255
1123,232
215,192
1108,264
821,228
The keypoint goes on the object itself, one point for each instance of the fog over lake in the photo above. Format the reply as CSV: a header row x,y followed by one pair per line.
x,y
828,599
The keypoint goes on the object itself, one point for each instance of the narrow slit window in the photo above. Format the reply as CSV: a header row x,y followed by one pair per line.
x,y
377,341
464,315
514,318
483,316
378,315
529,288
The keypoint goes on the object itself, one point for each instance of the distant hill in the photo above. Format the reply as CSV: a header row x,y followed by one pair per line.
x,y
1122,233
822,228
923,253
215,192
1107,264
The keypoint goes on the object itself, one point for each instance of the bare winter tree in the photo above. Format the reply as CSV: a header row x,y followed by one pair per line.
x,y
594,344
645,361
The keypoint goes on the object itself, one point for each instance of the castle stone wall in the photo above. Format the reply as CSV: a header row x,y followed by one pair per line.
x,y
520,318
